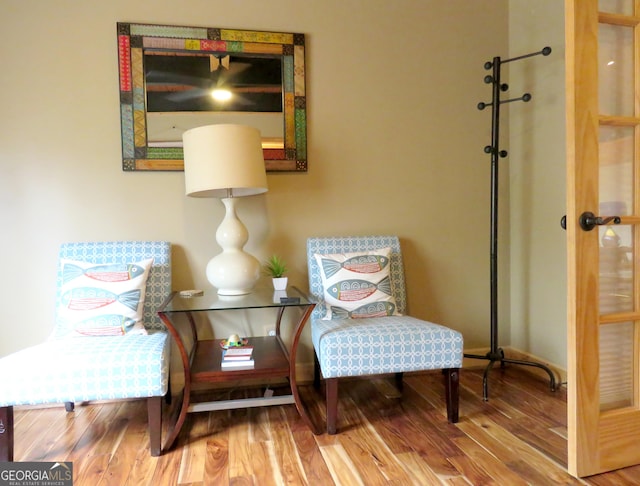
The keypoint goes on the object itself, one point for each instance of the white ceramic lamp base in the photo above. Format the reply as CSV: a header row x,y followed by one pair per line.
x,y
232,272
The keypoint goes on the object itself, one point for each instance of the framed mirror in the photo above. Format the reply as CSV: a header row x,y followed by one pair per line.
x,y
175,78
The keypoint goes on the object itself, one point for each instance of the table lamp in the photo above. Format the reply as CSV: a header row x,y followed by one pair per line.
x,y
226,161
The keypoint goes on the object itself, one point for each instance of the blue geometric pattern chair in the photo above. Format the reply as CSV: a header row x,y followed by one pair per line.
x,y
79,368
392,344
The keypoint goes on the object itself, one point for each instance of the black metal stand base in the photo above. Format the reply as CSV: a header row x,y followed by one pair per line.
x,y
498,356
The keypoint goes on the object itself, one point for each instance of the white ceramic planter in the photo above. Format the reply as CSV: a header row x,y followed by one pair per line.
x,y
280,283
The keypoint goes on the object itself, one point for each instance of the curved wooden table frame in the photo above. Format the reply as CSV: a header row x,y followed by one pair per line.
x,y
215,375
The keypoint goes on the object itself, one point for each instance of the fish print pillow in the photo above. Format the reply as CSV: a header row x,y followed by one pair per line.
x,y
357,285
102,300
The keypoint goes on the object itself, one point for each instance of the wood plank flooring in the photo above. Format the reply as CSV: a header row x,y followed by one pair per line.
x,y
518,437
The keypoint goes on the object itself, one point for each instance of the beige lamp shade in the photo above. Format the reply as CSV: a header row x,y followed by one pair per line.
x,y
223,161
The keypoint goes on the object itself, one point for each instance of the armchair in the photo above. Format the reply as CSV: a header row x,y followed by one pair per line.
x,y
358,327
98,350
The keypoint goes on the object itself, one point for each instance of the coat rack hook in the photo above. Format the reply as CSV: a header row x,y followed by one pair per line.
x,y
545,52
525,97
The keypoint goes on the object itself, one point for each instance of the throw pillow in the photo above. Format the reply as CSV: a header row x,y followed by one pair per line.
x,y
357,285
102,300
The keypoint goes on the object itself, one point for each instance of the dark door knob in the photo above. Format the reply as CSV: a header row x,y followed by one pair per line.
x,y
588,220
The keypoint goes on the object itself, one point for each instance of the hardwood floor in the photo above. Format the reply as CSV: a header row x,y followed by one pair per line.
x,y
516,438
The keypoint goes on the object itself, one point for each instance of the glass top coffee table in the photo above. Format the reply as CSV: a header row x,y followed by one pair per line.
x,y
201,359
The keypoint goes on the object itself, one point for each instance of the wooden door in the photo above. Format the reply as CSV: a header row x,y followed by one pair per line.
x,y
603,177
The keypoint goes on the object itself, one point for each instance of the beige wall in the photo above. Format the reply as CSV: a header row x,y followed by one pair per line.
x,y
395,146
537,178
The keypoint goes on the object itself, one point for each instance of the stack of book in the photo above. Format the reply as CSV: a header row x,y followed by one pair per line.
x,y
237,357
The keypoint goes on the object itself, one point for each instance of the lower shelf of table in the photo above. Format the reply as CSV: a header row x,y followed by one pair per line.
x,y
270,359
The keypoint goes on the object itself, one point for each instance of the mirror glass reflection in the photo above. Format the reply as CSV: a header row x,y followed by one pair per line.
x,y
186,82
187,90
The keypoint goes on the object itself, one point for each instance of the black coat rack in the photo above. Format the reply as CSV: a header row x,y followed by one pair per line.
x,y
496,354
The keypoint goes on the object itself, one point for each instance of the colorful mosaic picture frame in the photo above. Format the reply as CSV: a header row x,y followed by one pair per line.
x,y
133,39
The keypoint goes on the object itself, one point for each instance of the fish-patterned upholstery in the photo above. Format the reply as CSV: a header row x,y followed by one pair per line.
x,y
85,368
376,345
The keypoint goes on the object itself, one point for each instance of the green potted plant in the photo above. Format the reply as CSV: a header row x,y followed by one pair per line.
x,y
276,267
